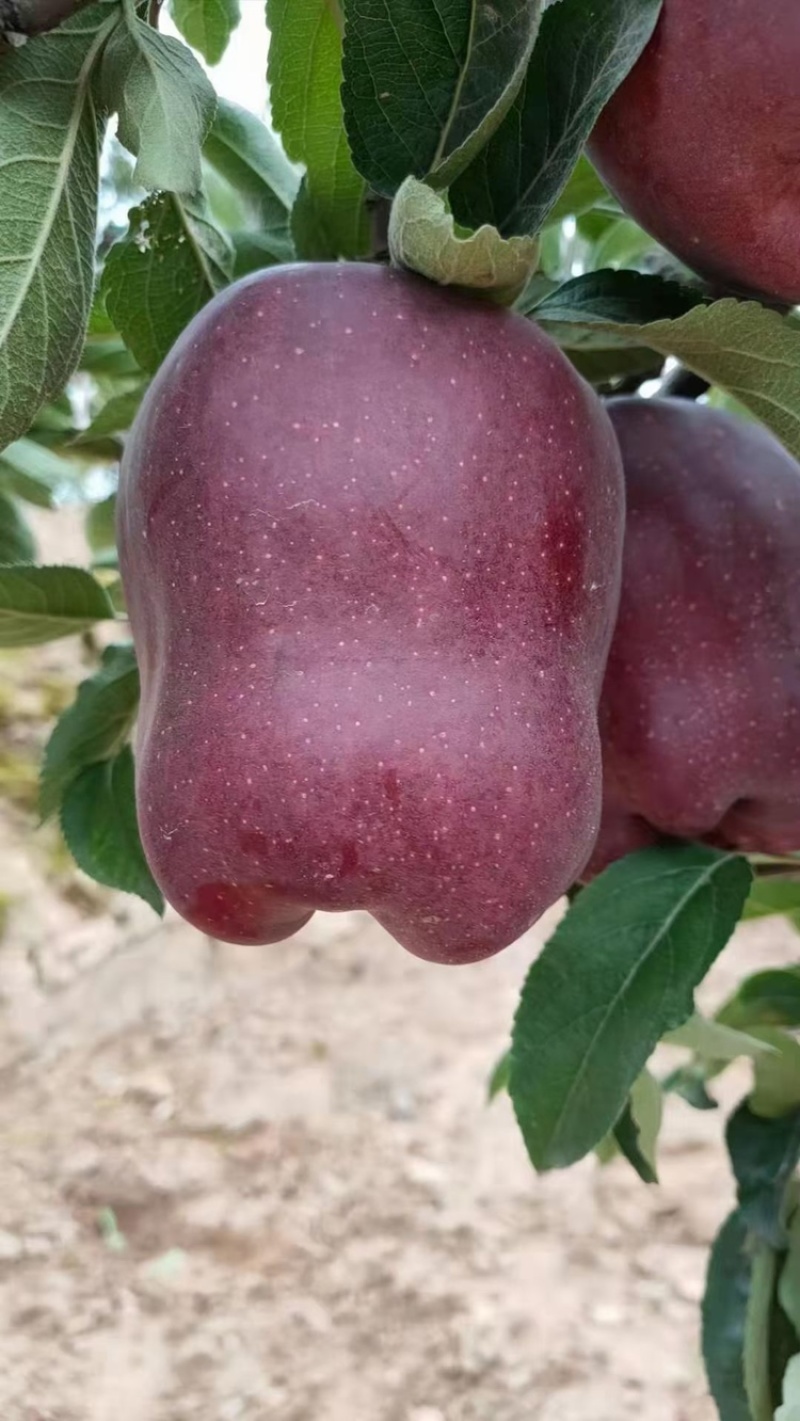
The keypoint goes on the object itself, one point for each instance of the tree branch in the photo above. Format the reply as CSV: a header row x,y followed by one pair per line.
x,y
33,17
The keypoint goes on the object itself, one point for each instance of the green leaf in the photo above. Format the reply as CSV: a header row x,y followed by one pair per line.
x,y
207,25
422,237
613,302
763,1154
244,151
724,1319
248,159
115,417
16,539
622,244
790,1410
783,1343
637,1130
769,998
689,1082
619,971
164,101
498,1080
101,531
776,1076
604,368
789,1283
584,190
774,895
252,253
98,820
583,52
714,1041
93,728
750,351
34,473
426,84
108,358
757,1379
159,276
39,604
305,73
49,155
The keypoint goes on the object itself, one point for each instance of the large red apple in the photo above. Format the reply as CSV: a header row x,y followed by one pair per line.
x,y
370,536
701,142
700,712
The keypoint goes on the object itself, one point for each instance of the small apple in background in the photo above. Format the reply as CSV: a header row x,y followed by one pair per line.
x,y
700,712
370,535
701,142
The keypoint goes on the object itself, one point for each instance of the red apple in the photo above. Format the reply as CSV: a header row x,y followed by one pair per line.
x,y
370,535
700,712
701,142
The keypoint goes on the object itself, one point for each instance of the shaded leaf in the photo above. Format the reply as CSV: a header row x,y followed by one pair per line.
x,y
622,244
252,253
769,998
583,52
94,727
164,101
115,417
619,971
763,1154
757,1379
305,74
101,529
157,278
426,84
725,1317
689,1082
39,604
98,820
637,1130
750,351
611,299
34,473
16,539
584,189
49,153
250,163
245,152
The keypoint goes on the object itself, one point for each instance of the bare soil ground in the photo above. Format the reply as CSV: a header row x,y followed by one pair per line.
x,y
242,1185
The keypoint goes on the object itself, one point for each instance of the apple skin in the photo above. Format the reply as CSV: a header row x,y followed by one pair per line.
x,y
701,142
370,536
700,711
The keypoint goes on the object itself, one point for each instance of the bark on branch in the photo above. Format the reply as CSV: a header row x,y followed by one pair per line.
x,y
33,17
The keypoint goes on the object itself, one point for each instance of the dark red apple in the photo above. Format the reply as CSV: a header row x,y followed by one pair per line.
x,y
370,535
700,712
701,142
